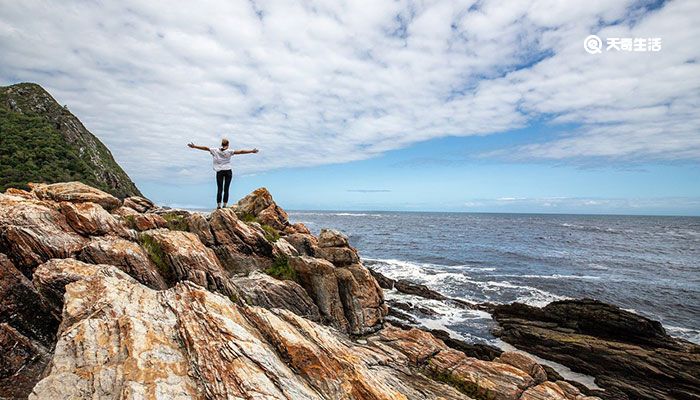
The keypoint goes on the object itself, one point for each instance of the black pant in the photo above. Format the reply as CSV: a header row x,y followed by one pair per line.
x,y
223,181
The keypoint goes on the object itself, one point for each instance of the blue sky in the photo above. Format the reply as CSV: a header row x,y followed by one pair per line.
x,y
385,105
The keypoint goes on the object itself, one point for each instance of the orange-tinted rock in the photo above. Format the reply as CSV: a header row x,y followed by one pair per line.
x,y
524,363
138,203
127,256
32,232
259,204
75,192
241,247
306,245
182,256
91,219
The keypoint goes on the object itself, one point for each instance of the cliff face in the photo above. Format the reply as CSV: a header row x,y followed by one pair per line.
x,y
42,141
104,298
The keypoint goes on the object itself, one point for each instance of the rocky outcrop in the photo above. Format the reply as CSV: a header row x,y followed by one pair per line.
x,y
75,192
120,339
180,305
630,356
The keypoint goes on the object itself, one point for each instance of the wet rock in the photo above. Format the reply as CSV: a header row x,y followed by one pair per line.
x,y
127,256
383,281
265,291
74,192
91,219
408,287
481,351
630,356
32,232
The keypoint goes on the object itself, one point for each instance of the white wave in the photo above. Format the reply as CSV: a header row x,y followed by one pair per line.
x,y
691,335
598,266
434,276
554,276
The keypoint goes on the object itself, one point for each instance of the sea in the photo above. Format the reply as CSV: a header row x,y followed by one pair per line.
x,y
646,264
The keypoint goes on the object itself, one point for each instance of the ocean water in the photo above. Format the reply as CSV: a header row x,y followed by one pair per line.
x,y
649,265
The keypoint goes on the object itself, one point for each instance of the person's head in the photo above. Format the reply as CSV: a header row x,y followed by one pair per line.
x,y
224,144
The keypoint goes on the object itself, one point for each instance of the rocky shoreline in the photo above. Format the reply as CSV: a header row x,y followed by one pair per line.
x,y
118,298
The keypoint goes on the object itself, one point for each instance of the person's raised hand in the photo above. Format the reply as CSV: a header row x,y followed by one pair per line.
x,y
255,150
190,145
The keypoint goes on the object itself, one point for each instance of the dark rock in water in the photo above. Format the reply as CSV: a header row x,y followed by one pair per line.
x,y
630,356
477,350
404,286
383,281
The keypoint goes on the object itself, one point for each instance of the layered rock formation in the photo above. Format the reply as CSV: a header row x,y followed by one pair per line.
x,y
104,298
630,356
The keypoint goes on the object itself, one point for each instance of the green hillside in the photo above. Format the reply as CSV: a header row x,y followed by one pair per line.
x,y
41,141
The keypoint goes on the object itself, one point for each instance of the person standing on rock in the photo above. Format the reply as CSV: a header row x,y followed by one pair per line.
x,y
222,166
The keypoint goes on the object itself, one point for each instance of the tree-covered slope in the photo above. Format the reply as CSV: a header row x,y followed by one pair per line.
x,y
41,141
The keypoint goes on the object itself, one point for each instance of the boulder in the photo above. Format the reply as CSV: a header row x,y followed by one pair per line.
x,y
145,222
91,219
334,247
318,278
127,256
260,205
305,244
74,192
262,290
332,238
348,298
32,232
199,225
408,287
181,256
140,204
240,247
282,248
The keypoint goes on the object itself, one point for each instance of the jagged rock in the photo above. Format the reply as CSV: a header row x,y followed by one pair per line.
x,y
383,281
51,278
334,247
20,193
91,219
282,248
128,256
22,361
306,244
75,192
408,287
524,363
181,256
145,222
140,204
124,211
629,355
297,228
200,345
481,351
32,232
23,308
348,298
241,247
332,238
265,291
199,225
259,204
318,278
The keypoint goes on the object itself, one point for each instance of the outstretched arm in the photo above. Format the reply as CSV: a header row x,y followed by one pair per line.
x,y
194,146
245,151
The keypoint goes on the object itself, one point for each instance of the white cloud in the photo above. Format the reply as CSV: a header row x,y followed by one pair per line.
x,y
312,83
